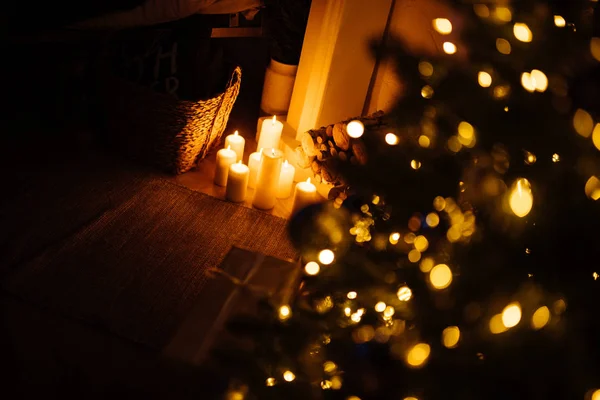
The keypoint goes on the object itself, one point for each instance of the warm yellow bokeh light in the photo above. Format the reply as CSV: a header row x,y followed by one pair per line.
x,y
530,158
270,382
414,164
289,376
592,188
522,32
596,136
528,82
426,264
583,123
352,295
394,238
380,306
450,337
427,92
555,157
442,25
496,325
410,398
440,276
503,14
414,256
540,79
454,144
540,318
559,21
432,220
424,141
353,398
595,395
312,268
404,293
391,139
521,198
326,257
421,243
595,48
511,315
484,79
425,69
285,312
503,46
355,129
389,311
329,366
481,10
449,48
466,130
439,203
418,355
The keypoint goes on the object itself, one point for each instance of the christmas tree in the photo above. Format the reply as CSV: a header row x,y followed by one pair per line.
x,y
461,260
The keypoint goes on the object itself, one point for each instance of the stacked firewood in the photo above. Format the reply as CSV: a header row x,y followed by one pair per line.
x,y
323,148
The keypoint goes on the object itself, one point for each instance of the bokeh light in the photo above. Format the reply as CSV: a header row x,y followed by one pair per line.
x,y
326,257
522,32
503,14
355,129
432,220
595,48
352,295
449,48
555,157
427,92
285,312
289,376
312,268
528,82
450,337
540,318
414,164
466,130
559,21
380,306
592,188
418,355
424,141
440,276
391,139
394,238
425,69
414,256
596,395
481,10
583,123
530,158
540,79
511,315
596,136
496,325
521,198
421,243
270,381
484,79
426,264
442,25
503,46
404,293
389,311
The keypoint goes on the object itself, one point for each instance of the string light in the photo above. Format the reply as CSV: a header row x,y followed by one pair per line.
x,y
511,315
312,268
289,376
450,337
521,198
522,32
440,276
540,318
484,79
326,257
442,26
355,129
559,21
449,48
404,293
418,354
391,139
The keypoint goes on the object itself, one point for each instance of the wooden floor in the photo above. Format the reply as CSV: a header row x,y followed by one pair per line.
x,y
201,179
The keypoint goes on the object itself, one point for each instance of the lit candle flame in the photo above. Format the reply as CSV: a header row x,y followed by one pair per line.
x,y
260,151
236,133
273,152
274,119
521,198
228,147
285,162
239,162
308,180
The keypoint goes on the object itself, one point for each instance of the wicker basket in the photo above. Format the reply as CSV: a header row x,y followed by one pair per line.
x,y
161,130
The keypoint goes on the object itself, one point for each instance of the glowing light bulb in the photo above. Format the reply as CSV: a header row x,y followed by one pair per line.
x,y
442,25
289,376
404,293
352,295
285,312
418,355
440,276
522,32
355,129
312,268
511,315
559,21
540,80
380,307
484,79
540,318
326,257
391,139
449,48
503,46
450,337
521,198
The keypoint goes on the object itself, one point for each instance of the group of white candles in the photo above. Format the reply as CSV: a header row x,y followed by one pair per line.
x,y
267,173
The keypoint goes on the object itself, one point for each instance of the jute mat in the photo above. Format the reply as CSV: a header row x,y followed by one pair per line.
x,y
137,268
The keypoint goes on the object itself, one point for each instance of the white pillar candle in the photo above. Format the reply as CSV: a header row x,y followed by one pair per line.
x,y
305,194
270,134
237,182
254,164
286,180
268,179
236,142
225,157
